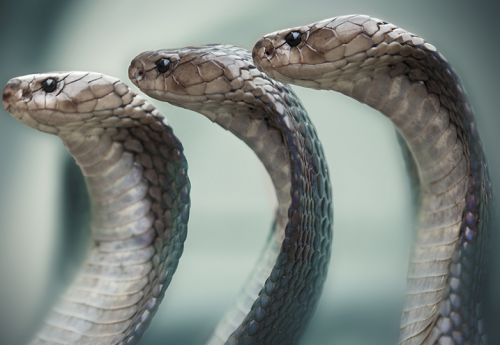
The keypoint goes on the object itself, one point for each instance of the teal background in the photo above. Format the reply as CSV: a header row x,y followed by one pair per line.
x,y
41,236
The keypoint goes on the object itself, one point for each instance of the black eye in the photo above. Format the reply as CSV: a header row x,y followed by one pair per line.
x,y
162,65
49,85
293,38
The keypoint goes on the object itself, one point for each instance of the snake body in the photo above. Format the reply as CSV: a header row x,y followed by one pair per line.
x,y
410,82
221,82
136,176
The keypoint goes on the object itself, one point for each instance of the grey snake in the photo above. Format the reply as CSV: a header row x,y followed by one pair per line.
x,y
137,179
136,176
410,82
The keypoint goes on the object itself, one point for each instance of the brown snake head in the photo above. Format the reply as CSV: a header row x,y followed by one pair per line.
x,y
203,78
53,102
332,47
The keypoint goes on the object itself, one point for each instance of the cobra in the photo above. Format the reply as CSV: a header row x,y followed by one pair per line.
x,y
221,82
136,175
410,82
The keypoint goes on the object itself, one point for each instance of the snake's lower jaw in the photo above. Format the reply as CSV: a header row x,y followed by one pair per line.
x,y
159,95
263,52
171,97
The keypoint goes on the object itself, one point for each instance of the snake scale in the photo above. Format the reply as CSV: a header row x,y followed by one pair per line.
x,y
136,175
221,82
410,82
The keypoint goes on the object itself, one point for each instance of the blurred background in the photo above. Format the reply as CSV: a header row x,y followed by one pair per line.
x,y
43,237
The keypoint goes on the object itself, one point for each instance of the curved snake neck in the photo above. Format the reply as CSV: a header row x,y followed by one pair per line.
x,y
407,80
136,175
221,82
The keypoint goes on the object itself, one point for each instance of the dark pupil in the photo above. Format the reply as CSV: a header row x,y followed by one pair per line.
x,y
293,38
49,85
162,65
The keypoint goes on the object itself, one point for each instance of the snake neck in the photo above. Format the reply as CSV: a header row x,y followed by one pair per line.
x,y
221,82
420,93
293,286
136,177
261,131
406,79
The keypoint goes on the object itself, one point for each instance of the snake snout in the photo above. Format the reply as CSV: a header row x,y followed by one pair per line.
x,y
136,71
9,90
263,51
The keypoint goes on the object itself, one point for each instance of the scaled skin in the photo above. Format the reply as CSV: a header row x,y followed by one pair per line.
x,y
407,80
136,176
221,82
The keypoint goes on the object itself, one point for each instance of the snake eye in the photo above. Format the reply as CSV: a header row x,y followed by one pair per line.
x,y
293,38
162,65
49,85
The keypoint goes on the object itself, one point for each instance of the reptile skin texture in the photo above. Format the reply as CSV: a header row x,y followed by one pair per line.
x,y
136,176
221,82
410,82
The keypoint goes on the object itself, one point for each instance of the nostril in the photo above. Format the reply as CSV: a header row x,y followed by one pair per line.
x,y
139,73
136,73
6,95
269,51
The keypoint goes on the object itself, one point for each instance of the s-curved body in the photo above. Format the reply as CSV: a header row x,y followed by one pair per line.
x,y
136,176
410,82
221,82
